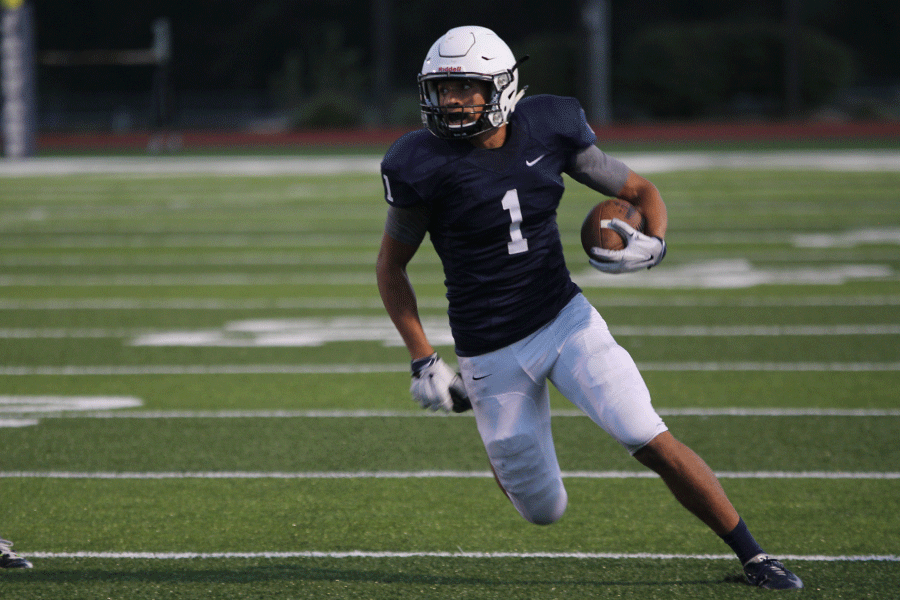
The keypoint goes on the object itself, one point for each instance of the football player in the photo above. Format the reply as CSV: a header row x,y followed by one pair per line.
x,y
484,180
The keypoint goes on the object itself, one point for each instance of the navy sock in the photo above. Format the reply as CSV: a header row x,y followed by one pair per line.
x,y
742,543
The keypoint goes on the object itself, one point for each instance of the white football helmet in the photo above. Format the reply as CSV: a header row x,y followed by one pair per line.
x,y
468,52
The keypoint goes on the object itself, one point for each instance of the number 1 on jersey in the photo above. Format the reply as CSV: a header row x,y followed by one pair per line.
x,y
511,203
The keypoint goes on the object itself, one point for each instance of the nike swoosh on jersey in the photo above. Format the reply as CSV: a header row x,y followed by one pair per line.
x,y
474,378
531,163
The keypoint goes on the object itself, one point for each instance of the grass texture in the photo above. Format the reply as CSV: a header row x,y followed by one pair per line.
x,y
264,444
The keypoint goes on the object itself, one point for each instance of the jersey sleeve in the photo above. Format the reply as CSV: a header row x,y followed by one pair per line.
x,y
407,170
576,130
562,119
398,192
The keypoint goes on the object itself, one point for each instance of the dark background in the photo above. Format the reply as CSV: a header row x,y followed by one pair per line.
x,y
304,63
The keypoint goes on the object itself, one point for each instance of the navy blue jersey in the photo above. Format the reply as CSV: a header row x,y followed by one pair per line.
x,y
493,218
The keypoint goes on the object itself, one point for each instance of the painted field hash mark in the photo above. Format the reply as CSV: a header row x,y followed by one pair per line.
x,y
47,404
42,405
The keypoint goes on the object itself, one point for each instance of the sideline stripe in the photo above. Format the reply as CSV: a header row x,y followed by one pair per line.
x,y
351,369
420,475
252,166
480,555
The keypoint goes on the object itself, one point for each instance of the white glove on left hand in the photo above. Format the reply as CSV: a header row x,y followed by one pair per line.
x,y
434,384
640,251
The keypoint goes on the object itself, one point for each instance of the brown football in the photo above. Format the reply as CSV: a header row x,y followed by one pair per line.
x,y
595,235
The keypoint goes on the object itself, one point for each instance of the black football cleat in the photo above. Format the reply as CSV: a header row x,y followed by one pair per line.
x,y
763,571
9,559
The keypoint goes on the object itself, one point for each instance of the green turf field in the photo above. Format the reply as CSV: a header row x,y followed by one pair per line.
x,y
201,397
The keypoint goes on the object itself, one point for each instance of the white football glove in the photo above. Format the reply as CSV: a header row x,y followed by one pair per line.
x,y
436,386
640,251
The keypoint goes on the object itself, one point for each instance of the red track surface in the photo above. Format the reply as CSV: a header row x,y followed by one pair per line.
x,y
381,137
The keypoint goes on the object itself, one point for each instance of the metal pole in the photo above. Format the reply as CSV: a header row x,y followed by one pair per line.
x,y
596,18
18,80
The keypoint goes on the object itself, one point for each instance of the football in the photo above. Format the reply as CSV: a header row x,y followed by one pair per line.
x,y
594,234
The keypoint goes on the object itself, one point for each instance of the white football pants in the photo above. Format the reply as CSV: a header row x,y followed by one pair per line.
x,y
511,401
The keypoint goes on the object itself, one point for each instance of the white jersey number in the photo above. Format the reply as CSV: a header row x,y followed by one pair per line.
x,y
387,190
518,244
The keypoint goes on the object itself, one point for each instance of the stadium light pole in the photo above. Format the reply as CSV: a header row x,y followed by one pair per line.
x,y
17,77
161,118
595,16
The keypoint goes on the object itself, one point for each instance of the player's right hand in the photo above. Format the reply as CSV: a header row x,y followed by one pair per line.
x,y
640,252
434,384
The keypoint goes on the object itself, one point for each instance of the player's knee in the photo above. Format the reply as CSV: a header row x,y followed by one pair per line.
x,y
546,508
529,478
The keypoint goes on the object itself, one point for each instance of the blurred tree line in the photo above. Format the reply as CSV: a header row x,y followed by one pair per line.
x,y
318,60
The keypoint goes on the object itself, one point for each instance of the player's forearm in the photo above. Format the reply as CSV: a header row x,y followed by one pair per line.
x,y
654,210
643,194
399,301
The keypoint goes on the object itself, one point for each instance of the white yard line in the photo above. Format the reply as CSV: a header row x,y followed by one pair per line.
x,y
712,274
172,240
757,330
468,555
73,410
215,304
117,370
357,369
625,330
191,279
120,475
234,260
703,300
771,366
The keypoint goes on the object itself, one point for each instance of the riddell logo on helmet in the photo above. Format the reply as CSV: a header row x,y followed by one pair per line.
x,y
449,69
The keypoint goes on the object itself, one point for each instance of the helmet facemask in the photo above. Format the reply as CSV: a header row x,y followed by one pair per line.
x,y
449,121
